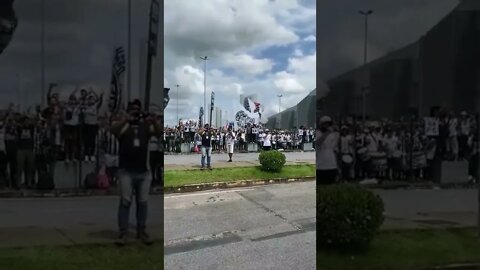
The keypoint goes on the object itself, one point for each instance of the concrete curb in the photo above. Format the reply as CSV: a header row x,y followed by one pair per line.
x,y
66,193
421,186
466,266
235,184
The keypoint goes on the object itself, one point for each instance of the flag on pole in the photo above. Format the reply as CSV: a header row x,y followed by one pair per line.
x,y
200,123
116,82
166,97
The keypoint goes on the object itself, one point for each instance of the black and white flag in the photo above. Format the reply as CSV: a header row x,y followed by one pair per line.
x,y
166,97
116,82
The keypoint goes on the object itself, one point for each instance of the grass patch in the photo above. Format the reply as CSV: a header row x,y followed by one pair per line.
x,y
401,250
91,257
176,178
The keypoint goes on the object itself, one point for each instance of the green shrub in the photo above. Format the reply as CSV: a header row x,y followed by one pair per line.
x,y
272,161
348,216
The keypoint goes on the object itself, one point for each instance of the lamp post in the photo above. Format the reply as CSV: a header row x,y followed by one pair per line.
x,y
204,87
129,52
42,49
177,102
364,89
279,110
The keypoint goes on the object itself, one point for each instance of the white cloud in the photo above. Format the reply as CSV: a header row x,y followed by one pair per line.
x,y
234,35
310,38
288,83
247,64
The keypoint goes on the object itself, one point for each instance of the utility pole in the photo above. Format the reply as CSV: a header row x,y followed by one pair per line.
x,y
129,52
365,51
42,49
204,88
177,103
279,110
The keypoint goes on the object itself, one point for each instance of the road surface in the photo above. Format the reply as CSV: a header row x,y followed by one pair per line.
x,y
269,227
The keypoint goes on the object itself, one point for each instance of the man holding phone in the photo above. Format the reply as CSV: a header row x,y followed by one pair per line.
x,y
134,131
206,146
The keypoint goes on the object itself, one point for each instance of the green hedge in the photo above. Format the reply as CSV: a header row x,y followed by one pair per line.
x,y
348,216
272,161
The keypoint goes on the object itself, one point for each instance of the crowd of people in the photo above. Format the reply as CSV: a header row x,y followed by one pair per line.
x,y
32,143
402,150
277,139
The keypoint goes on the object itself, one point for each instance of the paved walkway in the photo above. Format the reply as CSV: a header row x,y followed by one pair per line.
x,y
68,221
188,162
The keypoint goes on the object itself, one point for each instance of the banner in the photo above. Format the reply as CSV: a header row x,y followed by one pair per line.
x,y
8,23
200,116
153,31
212,103
431,126
116,82
166,97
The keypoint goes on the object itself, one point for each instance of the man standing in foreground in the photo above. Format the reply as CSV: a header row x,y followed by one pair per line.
x,y
206,139
134,132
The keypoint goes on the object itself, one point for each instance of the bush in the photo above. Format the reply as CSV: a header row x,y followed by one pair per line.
x,y
272,161
348,216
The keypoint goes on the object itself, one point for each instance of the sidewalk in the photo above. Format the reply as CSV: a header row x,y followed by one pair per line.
x,y
20,237
191,162
225,164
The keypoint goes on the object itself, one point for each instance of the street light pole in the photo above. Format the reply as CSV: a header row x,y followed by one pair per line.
x,y
177,103
204,88
279,110
42,42
365,52
129,52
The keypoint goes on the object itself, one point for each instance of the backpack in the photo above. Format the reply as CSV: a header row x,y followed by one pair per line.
x,y
103,182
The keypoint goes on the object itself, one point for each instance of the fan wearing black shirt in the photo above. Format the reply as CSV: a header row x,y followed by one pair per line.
x,y
25,154
134,132
206,146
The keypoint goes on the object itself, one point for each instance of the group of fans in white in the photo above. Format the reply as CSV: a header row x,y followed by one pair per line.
x,y
32,142
276,139
384,150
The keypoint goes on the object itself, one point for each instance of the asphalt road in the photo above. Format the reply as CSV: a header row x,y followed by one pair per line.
x,y
266,227
269,227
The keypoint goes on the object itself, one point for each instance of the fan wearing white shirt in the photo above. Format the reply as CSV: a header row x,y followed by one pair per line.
x,y
326,152
267,141
90,129
230,140
70,128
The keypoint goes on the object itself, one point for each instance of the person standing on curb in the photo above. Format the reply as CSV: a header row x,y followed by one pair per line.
x,y
230,143
206,146
134,131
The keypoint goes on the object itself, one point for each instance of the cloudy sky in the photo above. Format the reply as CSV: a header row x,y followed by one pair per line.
x,y
266,47
393,24
80,37
261,47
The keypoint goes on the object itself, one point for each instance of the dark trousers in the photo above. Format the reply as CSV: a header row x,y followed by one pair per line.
x,y
11,153
71,142
156,160
3,170
89,139
131,184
